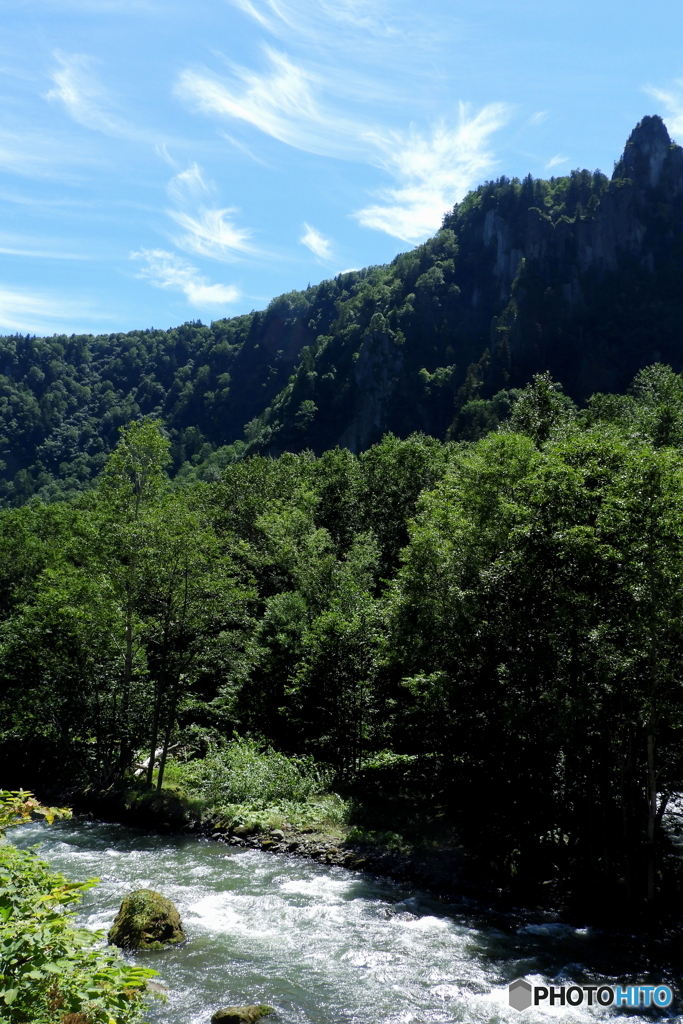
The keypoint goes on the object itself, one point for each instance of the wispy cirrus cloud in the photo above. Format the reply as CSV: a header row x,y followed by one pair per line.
x,y
33,154
328,25
21,245
556,161
120,7
431,170
167,270
207,230
211,233
41,312
317,243
189,184
86,100
279,102
265,14
243,148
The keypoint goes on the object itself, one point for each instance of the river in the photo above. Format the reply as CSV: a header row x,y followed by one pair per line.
x,y
325,945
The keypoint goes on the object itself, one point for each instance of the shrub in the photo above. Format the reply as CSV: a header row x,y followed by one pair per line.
x,y
52,972
241,773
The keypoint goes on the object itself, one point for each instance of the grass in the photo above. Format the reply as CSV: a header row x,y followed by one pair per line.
x,y
249,790
325,814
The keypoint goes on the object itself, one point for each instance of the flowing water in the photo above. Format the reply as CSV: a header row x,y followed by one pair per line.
x,y
325,945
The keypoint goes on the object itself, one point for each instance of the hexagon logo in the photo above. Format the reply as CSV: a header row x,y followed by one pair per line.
x,y
519,994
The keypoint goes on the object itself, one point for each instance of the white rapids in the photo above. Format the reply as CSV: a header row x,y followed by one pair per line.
x,y
322,945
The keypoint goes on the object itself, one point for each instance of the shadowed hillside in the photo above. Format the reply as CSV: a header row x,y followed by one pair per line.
x,y
580,275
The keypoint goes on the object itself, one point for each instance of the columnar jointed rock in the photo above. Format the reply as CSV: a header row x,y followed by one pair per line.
x,y
146,920
241,1014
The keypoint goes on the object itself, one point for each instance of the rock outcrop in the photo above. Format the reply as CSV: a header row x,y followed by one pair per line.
x,y
376,373
616,228
241,1014
146,920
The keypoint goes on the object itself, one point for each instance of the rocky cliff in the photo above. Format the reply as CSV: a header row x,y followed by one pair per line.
x,y
581,275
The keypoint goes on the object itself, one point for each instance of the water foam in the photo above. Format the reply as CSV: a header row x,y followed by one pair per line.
x,y
323,945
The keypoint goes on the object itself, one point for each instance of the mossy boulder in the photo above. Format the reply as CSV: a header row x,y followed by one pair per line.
x,y
146,920
241,1014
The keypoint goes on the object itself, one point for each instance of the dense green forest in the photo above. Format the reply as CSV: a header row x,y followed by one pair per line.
x,y
484,633
581,276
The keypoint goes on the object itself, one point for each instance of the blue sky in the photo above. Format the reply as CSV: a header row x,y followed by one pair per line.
x,y
172,160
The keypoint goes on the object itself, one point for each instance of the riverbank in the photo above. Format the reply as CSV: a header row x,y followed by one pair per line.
x,y
439,864
438,870
433,859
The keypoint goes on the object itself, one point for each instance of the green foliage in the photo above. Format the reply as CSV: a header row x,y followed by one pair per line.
x,y
134,473
327,813
49,968
244,773
128,604
541,409
447,627
537,615
18,807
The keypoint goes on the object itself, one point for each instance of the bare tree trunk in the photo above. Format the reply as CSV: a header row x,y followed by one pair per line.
x,y
158,692
167,732
124,748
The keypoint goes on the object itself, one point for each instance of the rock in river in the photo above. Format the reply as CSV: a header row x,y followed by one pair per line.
x,y
146,920
241,1014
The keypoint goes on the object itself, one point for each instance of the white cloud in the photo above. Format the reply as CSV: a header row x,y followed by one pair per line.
x,y
258,15
317,243
86,101
329,24
672,101
556,161
208,231
36,312
17,159
35,154
16,245
161,150
166,270
120,7
211,234
366,15
243,148
189,184
433,173
279,102
539,117
274,102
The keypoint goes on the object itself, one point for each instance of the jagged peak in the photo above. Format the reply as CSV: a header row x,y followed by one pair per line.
x,y
646,150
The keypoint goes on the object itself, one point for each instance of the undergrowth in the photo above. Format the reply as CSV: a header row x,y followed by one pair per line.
x,y
250,790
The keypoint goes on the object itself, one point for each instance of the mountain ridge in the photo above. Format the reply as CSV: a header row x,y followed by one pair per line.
x,y
581,276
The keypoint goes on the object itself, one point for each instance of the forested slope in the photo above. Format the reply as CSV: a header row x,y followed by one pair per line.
x,y
482,639
580,275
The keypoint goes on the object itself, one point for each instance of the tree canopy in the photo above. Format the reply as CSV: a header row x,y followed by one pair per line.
x,y
490,628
